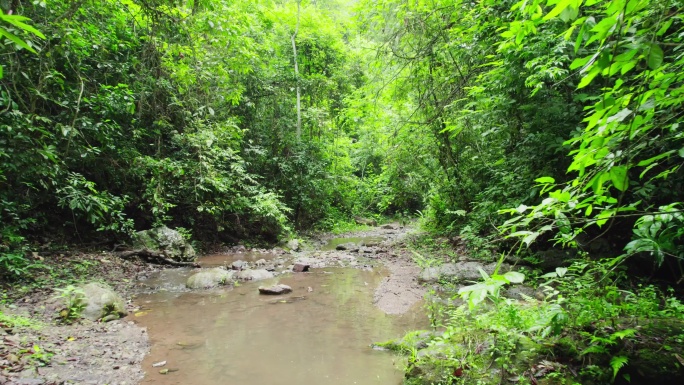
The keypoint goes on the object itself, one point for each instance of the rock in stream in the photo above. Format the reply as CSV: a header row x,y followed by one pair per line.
x,y
209,278
275,289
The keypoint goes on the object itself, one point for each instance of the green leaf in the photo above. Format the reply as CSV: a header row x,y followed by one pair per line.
x,y
585,62
569,13
618,175
664,28
599,349
520,233
620,116
530,238
655,57
514,277
628,66
655,158
546,179
569,31
16,40
616,363
621,334
521,209
586,79
560,7
16,21
580,37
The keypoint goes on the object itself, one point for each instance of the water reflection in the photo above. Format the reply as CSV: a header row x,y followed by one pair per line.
x,y
239,337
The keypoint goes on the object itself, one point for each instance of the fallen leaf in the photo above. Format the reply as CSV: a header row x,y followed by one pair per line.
x,y
140,313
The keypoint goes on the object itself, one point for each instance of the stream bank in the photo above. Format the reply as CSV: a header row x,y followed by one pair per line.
x,y
374,261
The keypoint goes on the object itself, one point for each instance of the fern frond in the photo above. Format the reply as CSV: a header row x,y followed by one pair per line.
x,y
616,363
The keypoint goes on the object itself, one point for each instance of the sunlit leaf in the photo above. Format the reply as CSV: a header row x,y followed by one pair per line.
x,y
514,277
545,179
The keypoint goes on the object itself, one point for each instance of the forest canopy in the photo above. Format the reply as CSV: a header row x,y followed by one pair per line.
x,y
507,123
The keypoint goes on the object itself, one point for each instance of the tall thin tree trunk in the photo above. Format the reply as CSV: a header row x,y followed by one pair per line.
x,y
296,68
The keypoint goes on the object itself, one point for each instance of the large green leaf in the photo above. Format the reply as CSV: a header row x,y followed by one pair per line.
x,y
514,277
618,175
16,40
545,179
17,21
655,56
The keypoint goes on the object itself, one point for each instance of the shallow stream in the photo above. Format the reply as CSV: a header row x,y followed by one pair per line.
x,y
359,241
319,334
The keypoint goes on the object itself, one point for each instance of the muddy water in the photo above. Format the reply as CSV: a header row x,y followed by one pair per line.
x,y
312,336
359,241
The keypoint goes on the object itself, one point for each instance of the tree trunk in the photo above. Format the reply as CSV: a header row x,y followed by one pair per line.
x,y
296,68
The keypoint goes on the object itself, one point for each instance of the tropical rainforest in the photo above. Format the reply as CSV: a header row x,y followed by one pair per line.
x,y
515,127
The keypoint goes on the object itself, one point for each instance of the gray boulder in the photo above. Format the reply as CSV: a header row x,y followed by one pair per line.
x,y
275,289
101,302
166,241
349,246
365,221
312,262
209,278
293,244
520,292
300,267
254,275
429,275
460,272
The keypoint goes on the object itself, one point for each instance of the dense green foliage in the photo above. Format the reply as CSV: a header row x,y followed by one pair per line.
x,y
183,113
510,125
130,114
122,114
583,97
580,326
